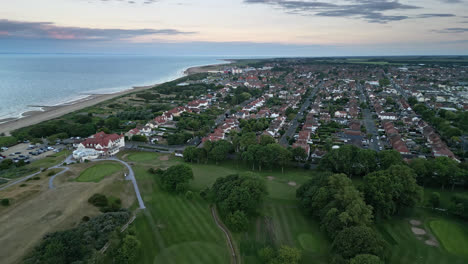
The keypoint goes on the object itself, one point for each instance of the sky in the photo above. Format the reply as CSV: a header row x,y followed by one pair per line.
x,y
236,27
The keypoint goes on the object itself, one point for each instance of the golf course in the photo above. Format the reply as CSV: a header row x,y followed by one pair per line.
x,y
174,229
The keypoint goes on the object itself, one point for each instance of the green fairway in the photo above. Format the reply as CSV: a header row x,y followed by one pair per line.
x,y
175,230
99,171
142,156
452,236
407,248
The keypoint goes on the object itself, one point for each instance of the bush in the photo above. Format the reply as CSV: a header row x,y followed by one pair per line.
x,y
85,218
5,202
51,173
434,199
237,221
189,195
36,178
98,200
23,185
176,178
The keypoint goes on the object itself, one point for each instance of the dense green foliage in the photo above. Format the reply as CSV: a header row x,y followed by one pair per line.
x,y
176,178
354,161
80,243
7,141
388,191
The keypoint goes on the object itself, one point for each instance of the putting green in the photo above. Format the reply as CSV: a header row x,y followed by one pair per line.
x,y
142,156
453,237
98,172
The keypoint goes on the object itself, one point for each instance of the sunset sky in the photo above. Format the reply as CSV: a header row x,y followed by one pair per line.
x,y
236,27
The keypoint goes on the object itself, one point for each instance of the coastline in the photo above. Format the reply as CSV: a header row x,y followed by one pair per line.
x,y
30,118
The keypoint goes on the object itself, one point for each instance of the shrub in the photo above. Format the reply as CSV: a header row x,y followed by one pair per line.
x,y
36,178
85,218
23,185
434,199
98,200
51,173
237,221
189,195
5,202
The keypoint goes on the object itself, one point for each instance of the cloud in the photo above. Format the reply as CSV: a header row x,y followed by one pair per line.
x,y
451,30
369,10
48,30
435,15
129,1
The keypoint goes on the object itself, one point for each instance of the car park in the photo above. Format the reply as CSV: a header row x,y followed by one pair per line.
x,y
17,153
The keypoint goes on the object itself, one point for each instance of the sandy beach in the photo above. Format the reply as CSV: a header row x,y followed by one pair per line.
x,y
51,112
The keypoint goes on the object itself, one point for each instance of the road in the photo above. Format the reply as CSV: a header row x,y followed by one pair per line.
x,y
294,123
369,123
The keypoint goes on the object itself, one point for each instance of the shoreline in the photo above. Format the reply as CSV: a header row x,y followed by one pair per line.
x,y
46,113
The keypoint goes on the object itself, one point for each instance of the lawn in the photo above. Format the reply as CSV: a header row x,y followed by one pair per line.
x,y
175,230
7,141
406,248
99,171
142,156
451,235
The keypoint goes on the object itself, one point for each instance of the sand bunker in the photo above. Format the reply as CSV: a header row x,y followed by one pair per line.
x,y
164,158
431,242
270,178
418,231
415,222
292,183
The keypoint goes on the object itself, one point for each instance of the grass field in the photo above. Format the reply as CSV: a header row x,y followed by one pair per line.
x,y
142,156
7,141
406,248
451,235
175,230
99,171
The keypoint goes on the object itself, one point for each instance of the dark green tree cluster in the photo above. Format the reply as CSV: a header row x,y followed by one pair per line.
x,y
77,245
238,197
254,125
441,171
283,255
212,151
388,191
176,178
354,161
343,214
139,138
178,138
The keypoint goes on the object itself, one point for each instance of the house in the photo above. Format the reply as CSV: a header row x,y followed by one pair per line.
x,y
105,144
132,132
341,114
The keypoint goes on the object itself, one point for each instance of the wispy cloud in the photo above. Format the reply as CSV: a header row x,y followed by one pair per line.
x,y
130,1
451,30
369,10
48,30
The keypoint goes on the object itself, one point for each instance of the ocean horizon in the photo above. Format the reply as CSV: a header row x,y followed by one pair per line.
x,y
29,82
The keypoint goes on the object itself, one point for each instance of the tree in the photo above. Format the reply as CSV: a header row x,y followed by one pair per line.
x,y
266,254
238,193
288,255
237,221
388,158
266,140
139,138
366,259
189,154
112,122
128,252
247,139
278,155
189,195
299,154
98,200
176,178
434,199
384,82
357,240
220,150
390,190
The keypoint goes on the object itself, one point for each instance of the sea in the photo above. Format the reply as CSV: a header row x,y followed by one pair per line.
x,y
29,81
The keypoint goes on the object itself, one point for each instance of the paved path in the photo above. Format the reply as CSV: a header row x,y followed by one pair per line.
x,y
51,179
20,180
234,258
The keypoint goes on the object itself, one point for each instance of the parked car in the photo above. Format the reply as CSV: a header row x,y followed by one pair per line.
x,y
4,148
17,153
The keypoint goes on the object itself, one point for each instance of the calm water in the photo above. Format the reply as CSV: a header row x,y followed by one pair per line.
x,y
49,80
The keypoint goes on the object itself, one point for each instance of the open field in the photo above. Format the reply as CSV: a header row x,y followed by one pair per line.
x,y
36,210
451,235
99,171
